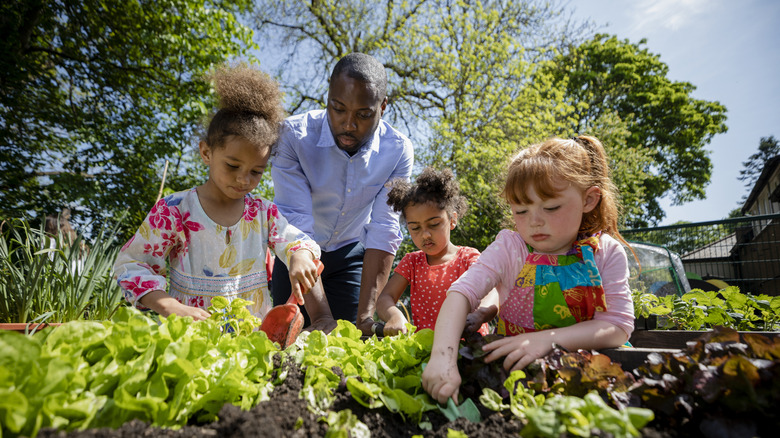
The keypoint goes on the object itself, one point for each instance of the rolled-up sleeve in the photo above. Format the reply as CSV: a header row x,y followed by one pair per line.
x,y
384,229
292,193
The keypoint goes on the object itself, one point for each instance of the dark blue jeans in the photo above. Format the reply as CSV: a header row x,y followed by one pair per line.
x,y
340,278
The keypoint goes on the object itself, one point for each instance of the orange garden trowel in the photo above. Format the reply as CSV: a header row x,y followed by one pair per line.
x,y
284,322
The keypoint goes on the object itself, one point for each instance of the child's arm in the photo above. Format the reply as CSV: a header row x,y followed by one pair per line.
x,y
521,350
386,308
140,266
166,305
441,378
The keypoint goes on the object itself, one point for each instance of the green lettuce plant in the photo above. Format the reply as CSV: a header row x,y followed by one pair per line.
x,y
698,310
88,374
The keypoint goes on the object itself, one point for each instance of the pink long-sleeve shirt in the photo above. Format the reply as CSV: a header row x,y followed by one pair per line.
x,y
501,262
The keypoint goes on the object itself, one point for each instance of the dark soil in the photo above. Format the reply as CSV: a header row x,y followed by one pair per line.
x,y
285,415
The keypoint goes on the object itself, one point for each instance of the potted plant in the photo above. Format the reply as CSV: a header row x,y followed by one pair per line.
x,y
50,279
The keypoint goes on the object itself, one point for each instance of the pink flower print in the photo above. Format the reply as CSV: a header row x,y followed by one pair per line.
x,y
186,225
169,240
128,243
138,287
252,209
154,268
154,249
273,212
158,217
196,302
176,219
177,252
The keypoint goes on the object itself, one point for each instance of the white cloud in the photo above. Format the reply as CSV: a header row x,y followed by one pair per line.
x,y
669,14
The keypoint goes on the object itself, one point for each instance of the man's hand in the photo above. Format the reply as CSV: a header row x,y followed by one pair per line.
x,y
376,269
325,324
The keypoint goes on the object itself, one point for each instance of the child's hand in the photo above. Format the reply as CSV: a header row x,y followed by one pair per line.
x,y
475,319
519,350
441,379
196,313
303,273
166,305
394,325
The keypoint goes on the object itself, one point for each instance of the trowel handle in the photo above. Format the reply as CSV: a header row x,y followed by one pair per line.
x,y
320,268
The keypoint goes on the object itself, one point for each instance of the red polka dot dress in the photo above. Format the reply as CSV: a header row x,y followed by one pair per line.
x,y
429,284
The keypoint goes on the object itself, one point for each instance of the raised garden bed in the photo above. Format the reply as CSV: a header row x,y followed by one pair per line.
x,y
646,342
27,327
187,375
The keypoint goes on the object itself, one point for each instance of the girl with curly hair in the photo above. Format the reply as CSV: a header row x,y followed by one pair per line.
x,y
211,240
431,209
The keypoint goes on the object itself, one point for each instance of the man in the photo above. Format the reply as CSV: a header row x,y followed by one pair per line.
x,y
330,172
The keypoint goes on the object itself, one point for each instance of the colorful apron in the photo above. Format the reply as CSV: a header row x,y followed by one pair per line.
x,y
554,291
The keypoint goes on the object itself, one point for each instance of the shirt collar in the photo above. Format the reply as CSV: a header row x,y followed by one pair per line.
x,y
327,140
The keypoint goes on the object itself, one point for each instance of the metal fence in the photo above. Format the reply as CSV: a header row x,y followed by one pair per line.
x,y
743,252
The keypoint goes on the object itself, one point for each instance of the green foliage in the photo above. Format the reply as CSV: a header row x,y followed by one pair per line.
x,y
565,415
377,372
345,424
233,316
44,278
614,82
96,95
768,148
459,80
698,310
89,374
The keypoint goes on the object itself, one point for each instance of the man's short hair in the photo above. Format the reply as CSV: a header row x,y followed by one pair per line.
x,y
364,68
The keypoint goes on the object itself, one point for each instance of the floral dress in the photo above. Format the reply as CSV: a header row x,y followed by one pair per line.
x,y
179,249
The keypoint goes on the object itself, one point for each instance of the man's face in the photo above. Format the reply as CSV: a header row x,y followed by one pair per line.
x,y
354,111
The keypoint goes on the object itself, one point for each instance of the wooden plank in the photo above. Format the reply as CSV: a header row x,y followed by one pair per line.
x,y
630,358
663,338
675,338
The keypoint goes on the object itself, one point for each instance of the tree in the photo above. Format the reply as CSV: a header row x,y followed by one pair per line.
x,y
96,95
668,130
768,148
459,77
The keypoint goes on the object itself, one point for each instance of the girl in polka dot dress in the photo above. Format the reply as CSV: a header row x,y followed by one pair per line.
x,y
431,209
562,276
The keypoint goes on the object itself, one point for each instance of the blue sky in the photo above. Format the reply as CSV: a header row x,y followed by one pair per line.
x,y
730,50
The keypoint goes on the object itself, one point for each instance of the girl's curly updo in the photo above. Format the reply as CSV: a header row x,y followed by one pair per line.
x,y
250,106
440,188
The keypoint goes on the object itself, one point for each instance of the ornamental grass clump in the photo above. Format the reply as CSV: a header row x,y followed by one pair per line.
x,y
43,278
